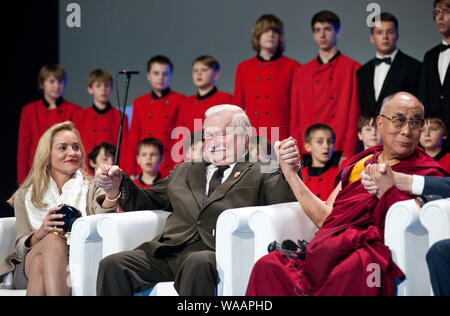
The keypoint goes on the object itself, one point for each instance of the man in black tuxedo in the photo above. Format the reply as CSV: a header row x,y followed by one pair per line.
x,y
434,89
390,72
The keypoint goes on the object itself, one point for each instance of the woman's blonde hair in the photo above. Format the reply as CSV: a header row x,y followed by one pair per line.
x,y
266,23
39,176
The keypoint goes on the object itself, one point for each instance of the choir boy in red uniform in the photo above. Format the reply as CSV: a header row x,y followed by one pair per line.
x,y
319,175
433,135
263,83
40,115
100,122
103,153
325,90
155,114
149,157
205,72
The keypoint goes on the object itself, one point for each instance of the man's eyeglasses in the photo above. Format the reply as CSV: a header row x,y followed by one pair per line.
x,y
400,122
438,12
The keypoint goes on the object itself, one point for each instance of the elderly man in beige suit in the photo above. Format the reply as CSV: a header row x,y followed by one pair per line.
x,y
196,193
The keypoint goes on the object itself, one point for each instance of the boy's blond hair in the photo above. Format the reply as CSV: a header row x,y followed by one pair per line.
x,y
208,61
441,3
100,75
266,23
438,120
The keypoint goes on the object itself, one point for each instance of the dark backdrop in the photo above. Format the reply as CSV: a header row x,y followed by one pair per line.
x,y
31,40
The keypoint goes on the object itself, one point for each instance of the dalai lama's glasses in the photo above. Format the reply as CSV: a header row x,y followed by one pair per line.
x,y
400,122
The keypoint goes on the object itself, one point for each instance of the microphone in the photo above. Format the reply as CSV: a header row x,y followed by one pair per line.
x,y
128,72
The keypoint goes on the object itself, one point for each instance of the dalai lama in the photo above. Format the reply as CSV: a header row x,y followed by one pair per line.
x,y
352,221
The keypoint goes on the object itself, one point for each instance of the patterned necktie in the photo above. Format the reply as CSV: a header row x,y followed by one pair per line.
x,y
216,179
387,60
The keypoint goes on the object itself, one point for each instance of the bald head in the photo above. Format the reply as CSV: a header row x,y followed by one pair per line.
x,y
401,98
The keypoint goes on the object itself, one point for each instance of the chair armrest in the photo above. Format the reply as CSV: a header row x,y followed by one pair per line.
x,y
234,251
126,231
85,254
280,222
435,216
8,235
408,242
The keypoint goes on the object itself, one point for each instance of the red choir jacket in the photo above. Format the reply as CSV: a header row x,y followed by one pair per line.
x,y
320,180
98,126
444,159
195,106
35,119
153,117
327,94
262,89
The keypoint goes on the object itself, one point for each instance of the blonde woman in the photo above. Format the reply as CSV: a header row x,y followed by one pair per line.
x,y
39,262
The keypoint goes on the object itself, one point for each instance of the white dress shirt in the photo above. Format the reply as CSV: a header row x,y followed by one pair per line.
x,y
444,60
381,72
418,185
210,172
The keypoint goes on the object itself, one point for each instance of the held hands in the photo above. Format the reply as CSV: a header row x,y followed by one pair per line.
x,y
377,179
288,155
109,178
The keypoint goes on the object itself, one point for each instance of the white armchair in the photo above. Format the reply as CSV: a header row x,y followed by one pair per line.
x,y
243,235
435,217
236,252
85,252
126,231
407,239
7,237
86,247
280,222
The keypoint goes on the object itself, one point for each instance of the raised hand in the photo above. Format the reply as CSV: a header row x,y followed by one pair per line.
x,y
109,178
288,155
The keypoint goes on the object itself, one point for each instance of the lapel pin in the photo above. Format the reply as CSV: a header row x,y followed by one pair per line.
x,y
236,175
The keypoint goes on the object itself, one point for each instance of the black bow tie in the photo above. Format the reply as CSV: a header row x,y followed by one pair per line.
x,y
387,60
443,47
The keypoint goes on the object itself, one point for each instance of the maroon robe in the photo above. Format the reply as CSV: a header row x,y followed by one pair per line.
x,y
341,257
